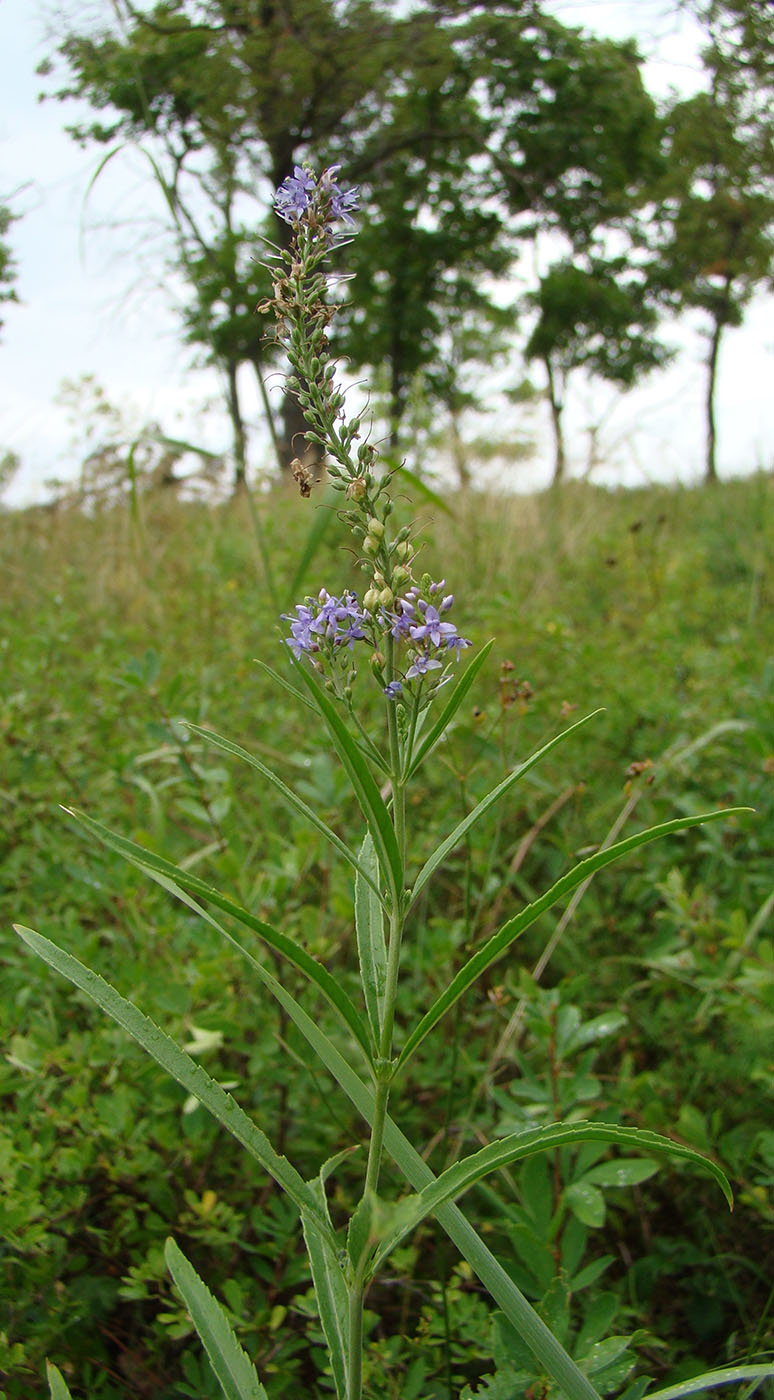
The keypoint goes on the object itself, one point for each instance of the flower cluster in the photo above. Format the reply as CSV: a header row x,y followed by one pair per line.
x,y
326,624
304,198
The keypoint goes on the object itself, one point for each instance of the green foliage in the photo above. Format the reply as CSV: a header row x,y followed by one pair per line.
x,y
7,260
657,1010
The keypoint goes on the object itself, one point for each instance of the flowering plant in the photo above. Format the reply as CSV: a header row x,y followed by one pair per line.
x,y
402,624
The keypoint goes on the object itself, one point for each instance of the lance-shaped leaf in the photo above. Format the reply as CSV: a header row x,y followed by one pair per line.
x,y
57,1385
285,684
328,1278
180,1066
449,710
488,802
288,796
729,1375
371,945
231,1364
511,930
365,789
458,1178
176,878
537,1336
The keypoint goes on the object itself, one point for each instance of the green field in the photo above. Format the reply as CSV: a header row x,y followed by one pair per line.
x,y
649,1003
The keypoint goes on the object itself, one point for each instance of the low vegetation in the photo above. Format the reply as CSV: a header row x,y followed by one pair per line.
x,y
649,1001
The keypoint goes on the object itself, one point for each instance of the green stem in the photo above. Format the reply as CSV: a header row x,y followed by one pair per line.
x,y
382,1094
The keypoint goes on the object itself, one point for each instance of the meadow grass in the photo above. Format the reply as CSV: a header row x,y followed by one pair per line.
x,y
655,604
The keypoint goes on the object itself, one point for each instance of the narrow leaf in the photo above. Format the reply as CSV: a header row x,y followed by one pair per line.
x,y
366,791
537,1336
730,1375
489,801
57,1385
511,930
329,1284
180,1066
451,707
154,865
285,684
501,1153
371,945
232,1366
288,796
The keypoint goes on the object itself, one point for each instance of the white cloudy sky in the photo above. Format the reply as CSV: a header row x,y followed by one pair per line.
x,y
93,301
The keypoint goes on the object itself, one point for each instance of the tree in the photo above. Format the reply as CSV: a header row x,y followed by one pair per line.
x,y
716,207
595,318
577,149
7,259
303,78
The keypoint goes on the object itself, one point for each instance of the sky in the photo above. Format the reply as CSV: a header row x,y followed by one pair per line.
x,y
95,296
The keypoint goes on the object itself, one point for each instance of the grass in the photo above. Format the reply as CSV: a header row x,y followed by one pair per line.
x,y
654,604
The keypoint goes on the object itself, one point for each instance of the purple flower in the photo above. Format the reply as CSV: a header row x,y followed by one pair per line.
x,y
295,195
301,195
421,665
439,633
393,689
342,202
323,620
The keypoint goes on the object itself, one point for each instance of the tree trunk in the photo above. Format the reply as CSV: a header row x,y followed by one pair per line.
x,y
557,406
710,464
237,427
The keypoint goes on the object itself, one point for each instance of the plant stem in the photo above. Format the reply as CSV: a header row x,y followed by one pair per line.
x,y
382,1094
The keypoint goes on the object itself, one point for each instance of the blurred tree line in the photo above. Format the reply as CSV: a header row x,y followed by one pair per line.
x,y
478,132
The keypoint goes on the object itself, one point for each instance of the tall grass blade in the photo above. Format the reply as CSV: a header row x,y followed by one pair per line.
x,y
422,489
486,803
175,875
231,1364
367,793
458,1178
730,1375
321,523
511,930
371,944
194,1078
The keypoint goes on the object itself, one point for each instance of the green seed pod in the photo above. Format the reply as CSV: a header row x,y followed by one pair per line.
x,y
371,600
371,546
386,597
375,528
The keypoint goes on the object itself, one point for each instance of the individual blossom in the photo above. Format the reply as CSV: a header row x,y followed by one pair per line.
x,y
295,194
